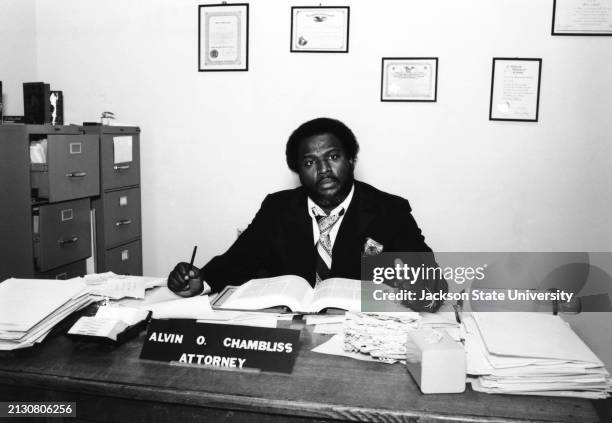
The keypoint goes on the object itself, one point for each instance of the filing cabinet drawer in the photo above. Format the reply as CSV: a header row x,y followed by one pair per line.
x,y
62,234
68,271
116,170
125,259
121,216
72,169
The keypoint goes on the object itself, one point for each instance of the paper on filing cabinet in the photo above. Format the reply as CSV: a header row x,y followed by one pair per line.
x,y
122,147
38,151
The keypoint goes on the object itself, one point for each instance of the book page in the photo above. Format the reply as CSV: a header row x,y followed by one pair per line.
x,y
337,293
290,291
197,307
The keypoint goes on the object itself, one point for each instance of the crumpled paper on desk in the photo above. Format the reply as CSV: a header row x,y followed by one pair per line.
x,y
381,335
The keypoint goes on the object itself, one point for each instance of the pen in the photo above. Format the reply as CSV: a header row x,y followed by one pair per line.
x,y
459,308
195,248
459,316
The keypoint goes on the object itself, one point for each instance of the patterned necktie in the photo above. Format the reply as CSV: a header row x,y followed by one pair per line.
x,y
324,247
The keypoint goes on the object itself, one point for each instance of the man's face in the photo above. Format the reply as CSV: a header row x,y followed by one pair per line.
x,y
325,171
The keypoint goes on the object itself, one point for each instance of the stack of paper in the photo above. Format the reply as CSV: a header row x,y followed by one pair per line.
x,y
114,287
332,324
329,324
381,335
108,322
38,151
531,354
376,336
30,308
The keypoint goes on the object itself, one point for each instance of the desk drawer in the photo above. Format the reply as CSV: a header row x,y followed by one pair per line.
x,y
62,234
125,259
72,168
117,170
72,270
121,216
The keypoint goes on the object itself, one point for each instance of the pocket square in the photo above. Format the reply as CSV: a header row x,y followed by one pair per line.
x,y
372,248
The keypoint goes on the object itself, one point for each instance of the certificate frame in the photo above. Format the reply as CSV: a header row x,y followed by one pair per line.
x,y
561,8
223,37
519,100
396,86
331,39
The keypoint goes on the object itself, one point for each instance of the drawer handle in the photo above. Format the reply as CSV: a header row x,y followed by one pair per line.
x,y
123,222
121,167
72,240
76,174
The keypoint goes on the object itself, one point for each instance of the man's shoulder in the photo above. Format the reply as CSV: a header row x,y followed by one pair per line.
x,y
285,196
379,197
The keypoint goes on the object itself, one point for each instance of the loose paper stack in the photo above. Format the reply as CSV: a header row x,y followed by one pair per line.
x,y
381,335
108,322
115,286
30,308
376,336
531,354
334,323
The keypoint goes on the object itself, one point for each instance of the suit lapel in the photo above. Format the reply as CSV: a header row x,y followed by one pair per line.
x,y
301,241
349,242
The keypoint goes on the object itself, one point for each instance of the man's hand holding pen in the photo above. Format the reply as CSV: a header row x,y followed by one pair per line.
x,y
185,279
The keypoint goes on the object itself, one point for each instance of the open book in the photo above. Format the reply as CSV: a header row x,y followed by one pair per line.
x,y
296,293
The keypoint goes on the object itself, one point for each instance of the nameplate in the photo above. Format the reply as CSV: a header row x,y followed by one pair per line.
x,y
225,346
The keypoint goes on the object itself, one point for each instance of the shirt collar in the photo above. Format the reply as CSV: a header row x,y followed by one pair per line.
x,y
314,210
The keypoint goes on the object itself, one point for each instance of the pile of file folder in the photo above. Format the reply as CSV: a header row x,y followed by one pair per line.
x,y
30,308
526,353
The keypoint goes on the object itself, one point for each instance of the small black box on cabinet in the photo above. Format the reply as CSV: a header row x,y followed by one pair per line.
x,y
36,105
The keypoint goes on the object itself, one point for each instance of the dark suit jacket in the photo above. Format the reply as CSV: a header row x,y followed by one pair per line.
x,y
279,240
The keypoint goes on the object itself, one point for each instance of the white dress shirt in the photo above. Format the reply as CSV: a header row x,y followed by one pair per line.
x,y
314,210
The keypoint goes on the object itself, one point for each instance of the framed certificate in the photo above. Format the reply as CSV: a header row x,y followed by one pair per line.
x,y
223,37
582,17
409,79
515,89
320,29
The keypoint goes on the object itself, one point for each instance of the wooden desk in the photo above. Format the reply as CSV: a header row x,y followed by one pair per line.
x,y
115,385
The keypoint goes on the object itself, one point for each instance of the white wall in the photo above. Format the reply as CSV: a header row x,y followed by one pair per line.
x,y
213,143
17,51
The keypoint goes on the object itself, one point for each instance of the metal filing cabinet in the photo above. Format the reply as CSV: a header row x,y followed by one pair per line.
x,y
45,226
117,211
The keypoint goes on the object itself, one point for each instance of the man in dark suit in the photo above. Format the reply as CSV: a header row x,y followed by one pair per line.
x,y
318,230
